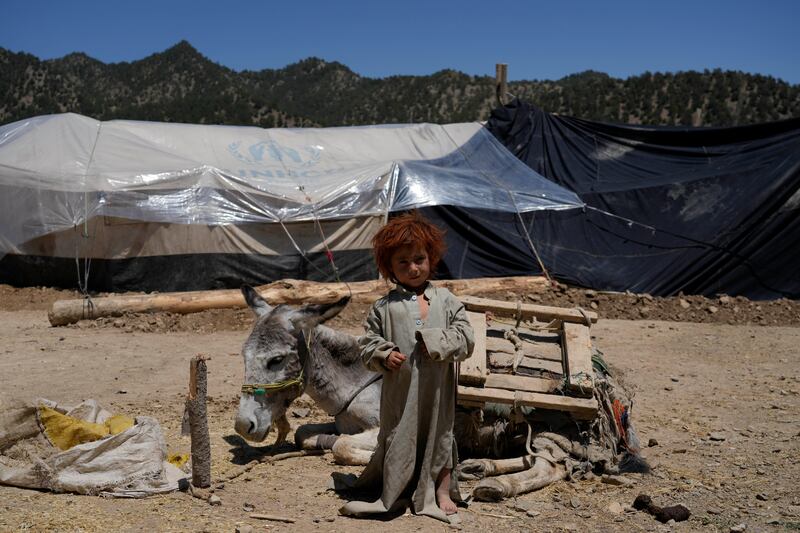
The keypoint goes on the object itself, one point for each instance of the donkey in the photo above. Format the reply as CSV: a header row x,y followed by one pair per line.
x,y
289,352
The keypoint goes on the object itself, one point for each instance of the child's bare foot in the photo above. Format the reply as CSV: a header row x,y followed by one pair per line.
x,y
445,503
443,493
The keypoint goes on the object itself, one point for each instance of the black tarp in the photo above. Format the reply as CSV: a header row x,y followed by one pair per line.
x,y
702,210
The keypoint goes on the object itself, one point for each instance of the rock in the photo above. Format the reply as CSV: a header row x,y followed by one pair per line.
x,y
330,518
245,528
615,508
533,514
575,503
590,293
522,506
593,305
716,436
713,510
122,391
618,481
712,309
248,507
652,442
647,297
761,496
739,528
534,298
683,303
674,379
669,388
214,500
300,412
724,299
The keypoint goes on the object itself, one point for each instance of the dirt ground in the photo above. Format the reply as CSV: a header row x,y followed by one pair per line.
x,y
716,385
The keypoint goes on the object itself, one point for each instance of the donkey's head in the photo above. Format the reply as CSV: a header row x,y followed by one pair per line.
x,y
275,354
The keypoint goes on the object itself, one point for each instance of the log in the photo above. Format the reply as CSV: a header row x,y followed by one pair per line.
x,y
285,291
528,311
579,408
198,422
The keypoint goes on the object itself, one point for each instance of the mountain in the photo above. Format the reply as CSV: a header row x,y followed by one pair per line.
x,y
182,85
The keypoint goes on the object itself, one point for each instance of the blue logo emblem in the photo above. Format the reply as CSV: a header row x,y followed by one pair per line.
x,y
266,152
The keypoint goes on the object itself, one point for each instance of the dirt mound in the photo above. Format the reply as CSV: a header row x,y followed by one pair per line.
x,y
610,305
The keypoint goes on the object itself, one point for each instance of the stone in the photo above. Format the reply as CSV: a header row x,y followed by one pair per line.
x,y
615,508
674,379
712,309
245,528
739,528
214,500
762,497
716,436
652,442
684,304
522,506
618,481
575,503
532,513
593,305
248,507
300,412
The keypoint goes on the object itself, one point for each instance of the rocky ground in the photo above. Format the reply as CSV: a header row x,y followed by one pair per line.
x,y
717,397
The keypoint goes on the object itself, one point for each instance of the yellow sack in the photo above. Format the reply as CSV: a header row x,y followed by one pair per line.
x,y
64,431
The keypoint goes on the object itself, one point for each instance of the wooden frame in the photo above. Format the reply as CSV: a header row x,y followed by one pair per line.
x,y
570,390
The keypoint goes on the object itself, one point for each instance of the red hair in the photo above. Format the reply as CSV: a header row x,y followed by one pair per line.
x,y
410,228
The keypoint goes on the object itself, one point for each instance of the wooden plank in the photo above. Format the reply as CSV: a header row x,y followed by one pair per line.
x,y
505,360
522,383
579,408
578,355
540,312
538,350
473,370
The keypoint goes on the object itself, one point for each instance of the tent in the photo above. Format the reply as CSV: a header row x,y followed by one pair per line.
x,y
698,210
129,205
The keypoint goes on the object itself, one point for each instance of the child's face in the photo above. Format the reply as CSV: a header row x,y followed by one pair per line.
x,y
410,265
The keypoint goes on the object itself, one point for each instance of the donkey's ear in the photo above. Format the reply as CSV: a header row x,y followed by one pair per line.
x,y
309,316
259,306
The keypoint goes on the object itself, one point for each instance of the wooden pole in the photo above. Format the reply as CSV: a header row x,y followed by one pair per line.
x,y
501,82
285,291
198,422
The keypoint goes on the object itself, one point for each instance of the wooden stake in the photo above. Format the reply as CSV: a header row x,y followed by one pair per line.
x,y
198,422
501,82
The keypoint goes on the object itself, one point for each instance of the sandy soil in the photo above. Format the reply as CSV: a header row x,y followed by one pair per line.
x,y
738,382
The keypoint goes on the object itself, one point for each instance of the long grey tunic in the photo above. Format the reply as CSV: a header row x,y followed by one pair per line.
x,y
415,440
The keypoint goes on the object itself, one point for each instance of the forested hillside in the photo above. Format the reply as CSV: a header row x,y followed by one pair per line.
x,y
181,85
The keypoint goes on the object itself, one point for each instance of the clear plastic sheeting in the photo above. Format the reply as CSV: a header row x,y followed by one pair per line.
x,y
58,172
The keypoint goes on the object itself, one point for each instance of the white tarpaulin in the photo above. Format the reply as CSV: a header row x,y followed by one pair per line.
x,y
58,171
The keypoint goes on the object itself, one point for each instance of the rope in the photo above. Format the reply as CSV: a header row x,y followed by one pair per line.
x,y
260,389
513,202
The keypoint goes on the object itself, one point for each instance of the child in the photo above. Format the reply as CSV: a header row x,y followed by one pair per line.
x,y
413,336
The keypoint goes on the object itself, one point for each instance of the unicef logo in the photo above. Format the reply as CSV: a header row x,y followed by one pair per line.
x,y
271,151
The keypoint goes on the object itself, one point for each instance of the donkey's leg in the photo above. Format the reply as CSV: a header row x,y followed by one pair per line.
x,y
315,436
355,449
283,427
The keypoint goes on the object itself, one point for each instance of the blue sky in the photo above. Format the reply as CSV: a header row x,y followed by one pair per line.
x,y
539,40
